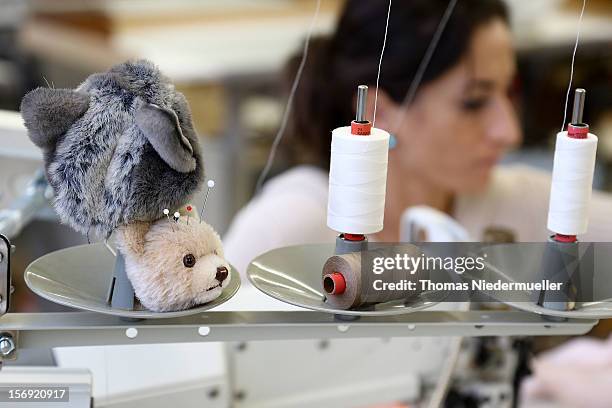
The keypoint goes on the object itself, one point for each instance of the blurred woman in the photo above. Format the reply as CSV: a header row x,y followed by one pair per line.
x,y
448,143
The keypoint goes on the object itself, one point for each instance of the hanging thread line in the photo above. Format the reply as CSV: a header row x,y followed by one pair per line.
x,y
382,53
569,87
418,77
285,119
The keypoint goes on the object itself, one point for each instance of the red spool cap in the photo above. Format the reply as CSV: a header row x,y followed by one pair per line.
x,y
334,283
353,237
361,128
565,238
578,131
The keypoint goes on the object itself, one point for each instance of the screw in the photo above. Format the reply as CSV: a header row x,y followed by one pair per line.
x,y
213,393
7,345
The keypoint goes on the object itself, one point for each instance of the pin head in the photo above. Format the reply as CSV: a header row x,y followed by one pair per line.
x,y
210,183
166,211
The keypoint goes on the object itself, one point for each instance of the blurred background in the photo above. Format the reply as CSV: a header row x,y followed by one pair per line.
x,y
227,57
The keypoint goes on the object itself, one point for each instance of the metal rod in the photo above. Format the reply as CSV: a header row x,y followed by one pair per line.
x,y
362,95
578,109
85,328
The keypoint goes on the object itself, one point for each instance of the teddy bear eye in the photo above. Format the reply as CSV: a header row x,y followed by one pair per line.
x,y
189,260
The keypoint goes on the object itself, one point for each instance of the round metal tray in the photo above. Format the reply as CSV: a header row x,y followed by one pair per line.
x,y
519,263
79,277
293,275
585,310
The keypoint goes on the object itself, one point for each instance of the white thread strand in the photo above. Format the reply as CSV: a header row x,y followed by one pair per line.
x,y
431,48
285,119
382,53
569,87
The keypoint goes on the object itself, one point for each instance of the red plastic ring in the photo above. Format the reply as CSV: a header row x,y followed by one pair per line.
x,y
361,128
565,238
354,237
578,132
338,283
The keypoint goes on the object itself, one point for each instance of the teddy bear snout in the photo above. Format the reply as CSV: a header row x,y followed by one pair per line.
x,y
221,273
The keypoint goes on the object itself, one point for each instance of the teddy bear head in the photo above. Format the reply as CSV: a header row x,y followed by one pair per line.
x,y
174,265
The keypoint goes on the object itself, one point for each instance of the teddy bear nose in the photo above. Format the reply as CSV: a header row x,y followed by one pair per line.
x,y
221,273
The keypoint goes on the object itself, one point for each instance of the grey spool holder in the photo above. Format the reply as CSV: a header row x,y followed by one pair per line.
x,y
345,246
560,265
121,293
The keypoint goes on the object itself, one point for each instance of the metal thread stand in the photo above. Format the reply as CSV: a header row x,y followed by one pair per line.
x,y
121,292
561,264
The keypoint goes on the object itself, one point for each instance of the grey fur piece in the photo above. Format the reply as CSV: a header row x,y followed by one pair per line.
x,y
118,149
156,123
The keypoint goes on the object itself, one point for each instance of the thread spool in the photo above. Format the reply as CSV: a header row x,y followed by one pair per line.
x,y
572,181
347,285
357,181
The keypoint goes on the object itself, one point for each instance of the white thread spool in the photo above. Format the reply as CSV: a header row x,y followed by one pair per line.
x,y
572,184
357,181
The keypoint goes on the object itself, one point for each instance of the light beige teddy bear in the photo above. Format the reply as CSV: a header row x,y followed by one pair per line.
x,y
174,264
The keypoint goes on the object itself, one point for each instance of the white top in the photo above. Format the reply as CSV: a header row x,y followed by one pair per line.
x,y
292,209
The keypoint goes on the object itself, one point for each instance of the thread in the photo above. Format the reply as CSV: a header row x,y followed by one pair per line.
x,y
285,119
359,289
357,181
572,181
382,53
418,77
569,86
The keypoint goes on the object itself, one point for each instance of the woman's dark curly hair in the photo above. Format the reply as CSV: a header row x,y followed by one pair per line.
x,y
337,64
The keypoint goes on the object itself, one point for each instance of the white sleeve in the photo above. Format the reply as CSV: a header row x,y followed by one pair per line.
x,y
600,218
275,220
600,211
518,200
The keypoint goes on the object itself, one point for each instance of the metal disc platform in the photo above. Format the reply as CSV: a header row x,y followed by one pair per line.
x,y
293,275
79,277
511,264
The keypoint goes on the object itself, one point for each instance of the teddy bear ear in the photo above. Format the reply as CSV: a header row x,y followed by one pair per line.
x,y
131,237
48,113
162,129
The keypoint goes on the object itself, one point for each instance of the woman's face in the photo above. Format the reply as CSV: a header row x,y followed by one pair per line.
x,y
459,125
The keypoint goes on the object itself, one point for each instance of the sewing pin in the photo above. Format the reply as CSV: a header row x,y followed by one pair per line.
x,y
210,184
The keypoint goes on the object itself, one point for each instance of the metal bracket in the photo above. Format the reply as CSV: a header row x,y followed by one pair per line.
x,y
8,346
5,274
121,292
87,329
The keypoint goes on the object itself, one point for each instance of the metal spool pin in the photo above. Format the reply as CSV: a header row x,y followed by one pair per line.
x,y
578,108
362,96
